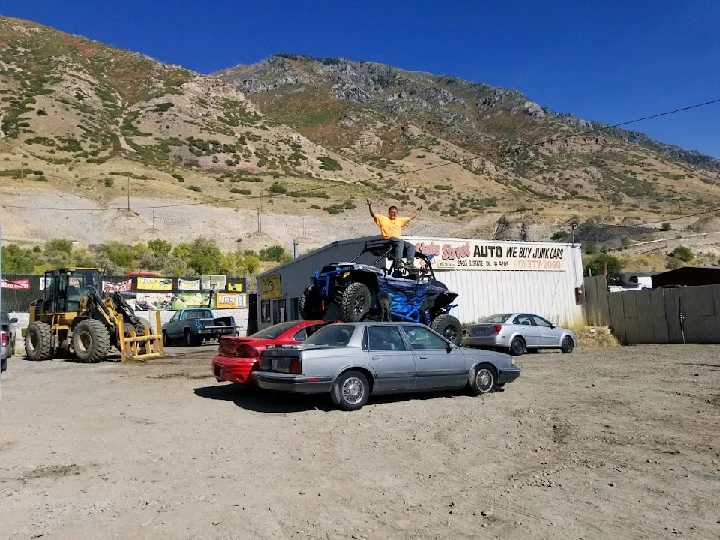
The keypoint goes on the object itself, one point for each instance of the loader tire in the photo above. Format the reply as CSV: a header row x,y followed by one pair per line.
x,y
91,341
38,341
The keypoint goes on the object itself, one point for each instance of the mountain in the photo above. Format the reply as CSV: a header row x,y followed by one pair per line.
x,y
92,130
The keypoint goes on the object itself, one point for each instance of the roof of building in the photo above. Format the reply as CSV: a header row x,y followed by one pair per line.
x,y
688,276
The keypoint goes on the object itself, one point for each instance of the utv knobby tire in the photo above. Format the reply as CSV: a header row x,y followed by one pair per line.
x,y
448,327
311,304
38,341
355,304
91,341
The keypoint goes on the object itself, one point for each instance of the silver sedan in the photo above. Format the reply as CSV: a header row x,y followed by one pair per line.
x,y
350,361
519,333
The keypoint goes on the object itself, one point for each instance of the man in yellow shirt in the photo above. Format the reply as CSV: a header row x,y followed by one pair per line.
x,y
391,229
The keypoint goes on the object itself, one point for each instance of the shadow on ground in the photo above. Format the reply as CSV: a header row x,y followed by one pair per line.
x,y
253,399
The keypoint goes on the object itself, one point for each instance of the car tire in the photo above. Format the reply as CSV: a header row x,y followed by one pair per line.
x,y
190,340
350,391
310,304
448,327
484,379
567,345
355,303
38,341
517,346
167,342
91,341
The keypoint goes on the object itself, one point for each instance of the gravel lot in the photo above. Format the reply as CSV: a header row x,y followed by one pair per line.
x,y
603,443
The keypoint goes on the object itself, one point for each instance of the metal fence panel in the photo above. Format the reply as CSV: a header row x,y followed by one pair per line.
x,y
597,311
630,312
646,332
701,321
617,317
658,317
672,315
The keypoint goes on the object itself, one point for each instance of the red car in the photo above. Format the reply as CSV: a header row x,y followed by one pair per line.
x,y
238,356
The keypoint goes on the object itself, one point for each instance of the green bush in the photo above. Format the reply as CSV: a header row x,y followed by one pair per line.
x,y
109,182
240,191
278,188
596,265
683,253
195,188
443,187
559,235
665,226
329,164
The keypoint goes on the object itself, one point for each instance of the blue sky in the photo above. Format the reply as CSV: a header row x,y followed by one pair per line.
x,y
608,61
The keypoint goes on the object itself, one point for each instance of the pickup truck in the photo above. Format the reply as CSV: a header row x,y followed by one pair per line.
x,y
193,325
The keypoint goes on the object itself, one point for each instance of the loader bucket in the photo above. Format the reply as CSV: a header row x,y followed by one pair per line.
x,y
139,347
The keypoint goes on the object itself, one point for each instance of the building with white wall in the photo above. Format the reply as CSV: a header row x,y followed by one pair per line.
x,y
489,276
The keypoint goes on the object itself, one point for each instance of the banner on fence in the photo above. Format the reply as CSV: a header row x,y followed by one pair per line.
x,y
231,300
109,286
188,284
154,284
17,284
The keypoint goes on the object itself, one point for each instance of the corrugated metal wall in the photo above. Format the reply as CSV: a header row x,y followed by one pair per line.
x,y
480,292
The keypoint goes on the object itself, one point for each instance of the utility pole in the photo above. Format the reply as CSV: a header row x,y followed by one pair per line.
x,y
259,224
22,172
295,249
128,194
304,227
153,218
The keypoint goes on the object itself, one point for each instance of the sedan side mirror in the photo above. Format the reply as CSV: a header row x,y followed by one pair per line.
x,y
450,347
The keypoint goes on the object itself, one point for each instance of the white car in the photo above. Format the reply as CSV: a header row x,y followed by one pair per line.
x,y
519,333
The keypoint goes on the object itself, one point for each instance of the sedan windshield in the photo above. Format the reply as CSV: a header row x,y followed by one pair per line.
x,y
335,335
271,332
495,318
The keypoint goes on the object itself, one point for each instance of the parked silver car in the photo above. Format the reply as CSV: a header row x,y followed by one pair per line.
x,y
353,360
519,333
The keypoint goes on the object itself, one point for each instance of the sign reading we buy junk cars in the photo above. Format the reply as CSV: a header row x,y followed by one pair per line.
x,y
493,255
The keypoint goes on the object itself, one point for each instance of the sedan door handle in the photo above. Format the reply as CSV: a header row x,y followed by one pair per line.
x,y
377,357
423,357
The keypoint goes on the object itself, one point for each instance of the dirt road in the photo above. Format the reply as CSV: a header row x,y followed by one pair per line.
x,y
604,443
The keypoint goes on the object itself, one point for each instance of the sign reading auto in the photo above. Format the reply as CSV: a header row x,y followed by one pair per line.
x,y
489,255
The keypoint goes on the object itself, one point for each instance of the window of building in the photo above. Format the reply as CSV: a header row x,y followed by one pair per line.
x,y
265,311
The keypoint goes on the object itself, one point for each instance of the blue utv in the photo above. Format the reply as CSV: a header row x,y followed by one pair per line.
x,y
353,290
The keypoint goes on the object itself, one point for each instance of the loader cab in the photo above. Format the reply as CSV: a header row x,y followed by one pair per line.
x,y
65,287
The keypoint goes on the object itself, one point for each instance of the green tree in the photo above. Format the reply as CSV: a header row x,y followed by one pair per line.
x,y
160,247
683,253
16,260
121,257
203,256
274,253
673,263
252,263
596,264
665,226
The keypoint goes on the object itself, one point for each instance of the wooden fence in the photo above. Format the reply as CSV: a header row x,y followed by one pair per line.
x,y
666,315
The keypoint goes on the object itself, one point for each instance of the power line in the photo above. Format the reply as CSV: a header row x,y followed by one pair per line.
x,y
627,122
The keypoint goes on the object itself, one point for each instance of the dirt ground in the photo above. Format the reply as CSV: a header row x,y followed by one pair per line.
x,y
602,443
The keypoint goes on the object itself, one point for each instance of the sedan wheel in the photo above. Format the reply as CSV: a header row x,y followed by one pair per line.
x,y
517,346
484,380
351,391
567,345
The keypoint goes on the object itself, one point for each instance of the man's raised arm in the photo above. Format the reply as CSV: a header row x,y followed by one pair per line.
x,y
372,214
417,211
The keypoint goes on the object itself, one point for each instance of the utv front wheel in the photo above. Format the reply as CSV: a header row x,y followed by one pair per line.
x,y
355,302
448,327
311,304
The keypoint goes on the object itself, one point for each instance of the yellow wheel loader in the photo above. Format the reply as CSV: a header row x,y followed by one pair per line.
x,y
74,320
